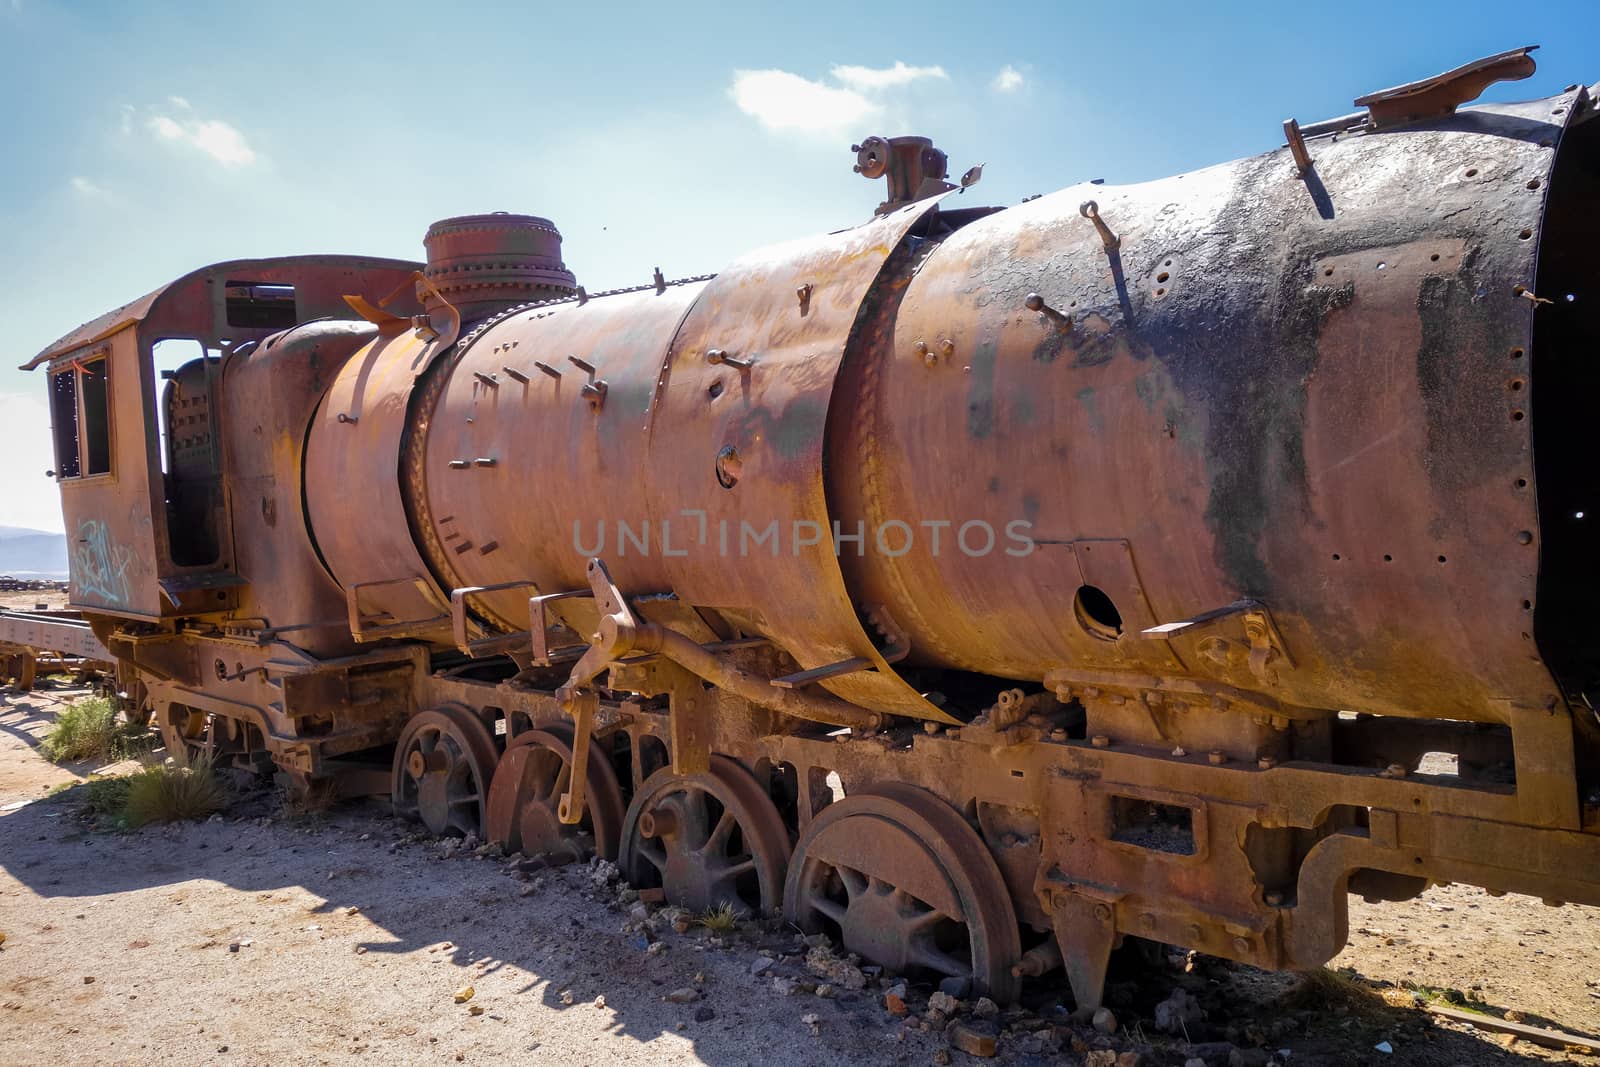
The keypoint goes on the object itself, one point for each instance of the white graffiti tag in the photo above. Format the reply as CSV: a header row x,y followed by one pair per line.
x,y
99,565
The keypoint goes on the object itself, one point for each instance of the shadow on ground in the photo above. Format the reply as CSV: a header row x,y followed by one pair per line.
x,y
559,935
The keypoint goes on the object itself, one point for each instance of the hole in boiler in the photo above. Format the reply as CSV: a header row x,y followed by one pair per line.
x,y
729,467
1096,613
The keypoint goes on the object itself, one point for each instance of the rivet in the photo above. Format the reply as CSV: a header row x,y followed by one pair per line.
x,y
1102,912
1524,537
1100,741
1241,945
1216,758
1266,763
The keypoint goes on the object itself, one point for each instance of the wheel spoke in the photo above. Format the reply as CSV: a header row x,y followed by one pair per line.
x,y
854,883
924,921
471,798
718,838
656,856
695,832
737,867
934,959
828,907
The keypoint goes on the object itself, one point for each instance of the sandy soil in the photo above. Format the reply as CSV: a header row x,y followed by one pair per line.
x,y
260,938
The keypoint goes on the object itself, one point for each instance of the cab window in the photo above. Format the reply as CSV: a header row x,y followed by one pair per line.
x,y
80,414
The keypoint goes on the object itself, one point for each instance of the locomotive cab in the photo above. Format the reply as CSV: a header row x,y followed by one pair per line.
x,y
139,452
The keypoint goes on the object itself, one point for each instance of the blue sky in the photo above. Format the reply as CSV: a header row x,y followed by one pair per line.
x,y
144,140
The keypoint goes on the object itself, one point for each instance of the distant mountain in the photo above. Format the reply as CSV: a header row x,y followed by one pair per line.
x,y
26,553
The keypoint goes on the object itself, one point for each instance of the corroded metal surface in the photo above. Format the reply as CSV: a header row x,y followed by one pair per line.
x,y
1016,580
1254,400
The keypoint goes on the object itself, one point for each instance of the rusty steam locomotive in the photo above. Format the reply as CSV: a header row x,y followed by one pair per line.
x,y
980,586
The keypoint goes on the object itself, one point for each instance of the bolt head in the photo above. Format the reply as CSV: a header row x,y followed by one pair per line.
x,y
1034,302
1100,741
1216,758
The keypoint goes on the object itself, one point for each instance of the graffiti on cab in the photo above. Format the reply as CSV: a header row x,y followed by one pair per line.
x,y
99,565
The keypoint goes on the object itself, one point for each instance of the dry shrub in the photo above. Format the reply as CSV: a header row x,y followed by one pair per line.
x,y
91,729
168,793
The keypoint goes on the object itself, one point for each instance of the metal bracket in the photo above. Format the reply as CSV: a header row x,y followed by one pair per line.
x,y
1443,93
364,627
818,674
483,646
1267,648
582,707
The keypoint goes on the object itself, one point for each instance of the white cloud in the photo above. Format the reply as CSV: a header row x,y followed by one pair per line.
x,y
215,138
85,187
1009,80
27,497
780,100
180,102
868,79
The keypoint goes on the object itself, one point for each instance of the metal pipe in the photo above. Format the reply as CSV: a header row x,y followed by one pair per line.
x,y
752,687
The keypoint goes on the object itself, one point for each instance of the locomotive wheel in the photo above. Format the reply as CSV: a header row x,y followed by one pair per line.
x,y
707,839
24,669
444,765
189,733
900,878
535,770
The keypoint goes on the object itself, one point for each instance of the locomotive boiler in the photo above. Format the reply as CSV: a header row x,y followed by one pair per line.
x,y
982,587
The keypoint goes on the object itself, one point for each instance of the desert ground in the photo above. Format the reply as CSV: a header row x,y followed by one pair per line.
x,y
270,936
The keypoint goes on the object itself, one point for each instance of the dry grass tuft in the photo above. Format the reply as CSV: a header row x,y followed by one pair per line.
x,y
721,919
1325,990
312,802
91,729
168,793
